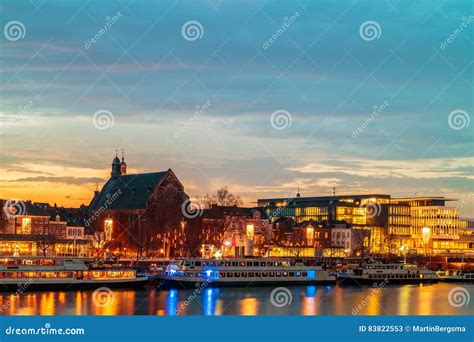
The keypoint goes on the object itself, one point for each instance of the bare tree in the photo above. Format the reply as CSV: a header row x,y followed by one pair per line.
x,y
222,197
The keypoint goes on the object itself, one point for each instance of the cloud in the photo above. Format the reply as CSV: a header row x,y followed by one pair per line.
x,y
65,180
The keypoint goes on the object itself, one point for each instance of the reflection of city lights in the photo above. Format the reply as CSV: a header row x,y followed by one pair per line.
x,y
309,235
227,243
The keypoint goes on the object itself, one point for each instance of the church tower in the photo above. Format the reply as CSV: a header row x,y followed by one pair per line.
x,y
116,166
123,165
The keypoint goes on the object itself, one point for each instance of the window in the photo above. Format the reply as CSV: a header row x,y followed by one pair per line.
x,y
236,274
235,263
26,225
249,264
255,263
272,274
292,274
251,274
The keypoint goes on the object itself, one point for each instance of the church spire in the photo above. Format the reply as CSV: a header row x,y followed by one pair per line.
x,y
123,164
116,166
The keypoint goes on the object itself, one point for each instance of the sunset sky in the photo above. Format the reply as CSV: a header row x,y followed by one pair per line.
x,y
202,105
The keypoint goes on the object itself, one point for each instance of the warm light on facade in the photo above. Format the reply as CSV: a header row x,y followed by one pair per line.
x,y
426,234
310,235
108,229
26,225
250,231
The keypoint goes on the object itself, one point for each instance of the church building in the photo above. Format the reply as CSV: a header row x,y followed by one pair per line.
x,y
138,214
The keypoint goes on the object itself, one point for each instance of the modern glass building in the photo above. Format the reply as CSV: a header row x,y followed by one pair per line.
x,y
397,225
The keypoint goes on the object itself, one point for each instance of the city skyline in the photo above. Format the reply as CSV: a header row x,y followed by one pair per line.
x,y
203,105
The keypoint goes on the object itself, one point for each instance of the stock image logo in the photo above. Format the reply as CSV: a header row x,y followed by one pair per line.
x,y
281,297
14,30
459,119
102,297
458,297
370,30
281,119
103,119
192,30
191,209
13,208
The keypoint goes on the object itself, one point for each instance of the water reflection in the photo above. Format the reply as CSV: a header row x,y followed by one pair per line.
x,y
306,300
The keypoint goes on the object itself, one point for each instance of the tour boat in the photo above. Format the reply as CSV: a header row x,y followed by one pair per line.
x,y
377,273
457,276
36,273
192,273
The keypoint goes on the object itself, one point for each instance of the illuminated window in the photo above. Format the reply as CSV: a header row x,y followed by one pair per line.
x,y
26,225
108,229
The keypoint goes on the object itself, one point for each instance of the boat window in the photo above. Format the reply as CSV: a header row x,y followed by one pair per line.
x,y
244,274
229,274
242,263
197,263
227,263
235,263
292,274
272,274
251,274
236,274
278,274
248,263
285,274
222,275
298,274
265,274
304,274
220,263
255,263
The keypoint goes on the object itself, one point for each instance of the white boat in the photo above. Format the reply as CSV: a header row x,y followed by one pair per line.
x,y
37,273
456,276
192,273
388,273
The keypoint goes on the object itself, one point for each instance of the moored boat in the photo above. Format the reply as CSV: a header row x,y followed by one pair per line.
x,y
36,273
192,273
377,273
457,276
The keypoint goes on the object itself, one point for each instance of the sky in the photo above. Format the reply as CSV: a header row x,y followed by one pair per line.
x,y
260,96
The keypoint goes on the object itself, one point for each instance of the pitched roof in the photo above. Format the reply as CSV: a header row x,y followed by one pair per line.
x,y
127,192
